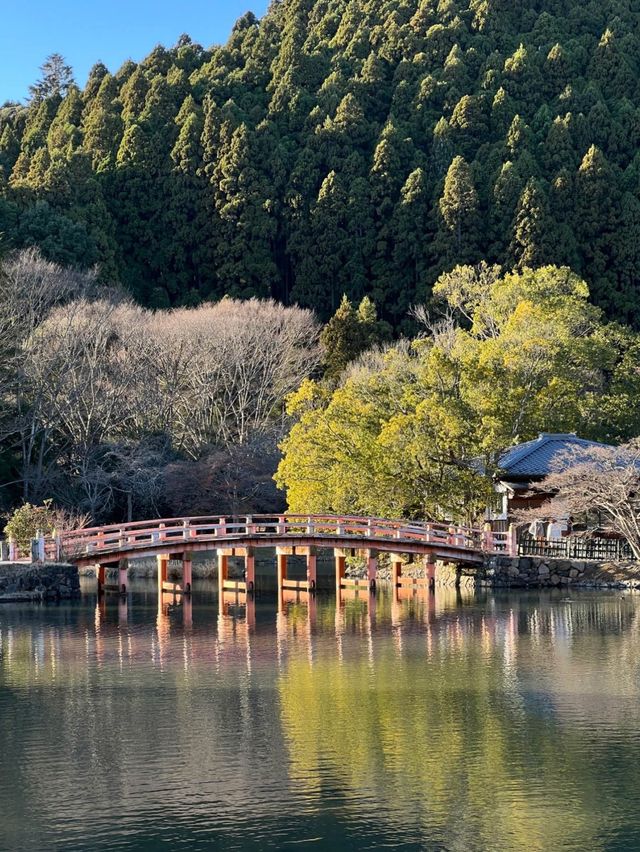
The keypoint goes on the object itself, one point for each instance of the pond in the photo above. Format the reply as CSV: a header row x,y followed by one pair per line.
x,y
456,722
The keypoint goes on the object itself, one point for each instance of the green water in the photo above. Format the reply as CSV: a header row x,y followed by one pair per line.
x,y
499,722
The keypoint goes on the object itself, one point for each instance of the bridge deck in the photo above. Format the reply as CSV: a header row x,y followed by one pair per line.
x,y
188,535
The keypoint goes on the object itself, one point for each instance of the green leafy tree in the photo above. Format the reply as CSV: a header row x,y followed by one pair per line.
x,y
405,432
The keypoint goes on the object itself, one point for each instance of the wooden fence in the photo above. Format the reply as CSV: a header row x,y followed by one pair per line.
x,y
577,547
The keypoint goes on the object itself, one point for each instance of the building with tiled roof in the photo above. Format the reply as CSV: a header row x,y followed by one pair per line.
x,y
525,465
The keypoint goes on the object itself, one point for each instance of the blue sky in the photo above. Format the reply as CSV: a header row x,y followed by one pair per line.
x,y
85,31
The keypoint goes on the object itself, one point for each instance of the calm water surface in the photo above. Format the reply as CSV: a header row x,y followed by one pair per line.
x,y
500,722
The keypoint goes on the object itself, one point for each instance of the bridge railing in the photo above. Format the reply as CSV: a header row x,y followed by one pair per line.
x,y
144,535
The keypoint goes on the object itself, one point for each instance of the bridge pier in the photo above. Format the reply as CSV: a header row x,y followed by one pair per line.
x,y
163,572
285,582
281,569
175,588
430,571
356,583
312,569
372,568
341,567
223,570
249,582
187,573
250,569
123,567
396,569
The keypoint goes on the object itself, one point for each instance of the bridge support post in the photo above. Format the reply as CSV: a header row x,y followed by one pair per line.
x,y
187,573
430,572
282,569
163,572
250,569
312,569
341,566
101,575
223,571
396,569
372,568
123,566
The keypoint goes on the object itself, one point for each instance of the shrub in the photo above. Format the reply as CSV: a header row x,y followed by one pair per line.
x,y
25,522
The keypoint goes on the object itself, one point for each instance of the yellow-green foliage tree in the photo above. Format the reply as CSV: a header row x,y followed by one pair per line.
x,y
27,521
415,431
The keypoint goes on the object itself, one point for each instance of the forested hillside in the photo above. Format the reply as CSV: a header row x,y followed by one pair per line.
x,y
358,146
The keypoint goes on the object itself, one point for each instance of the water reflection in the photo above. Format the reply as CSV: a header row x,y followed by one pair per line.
x,y
419,721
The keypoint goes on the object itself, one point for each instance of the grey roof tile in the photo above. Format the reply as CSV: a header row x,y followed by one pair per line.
x,y
536,458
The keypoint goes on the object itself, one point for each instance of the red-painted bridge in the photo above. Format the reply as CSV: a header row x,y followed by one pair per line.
x,y
299,535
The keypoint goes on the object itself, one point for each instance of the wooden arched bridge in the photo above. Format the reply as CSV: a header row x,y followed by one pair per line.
x,y
291,535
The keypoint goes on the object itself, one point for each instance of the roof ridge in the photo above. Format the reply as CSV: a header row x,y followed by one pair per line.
x,y
523,450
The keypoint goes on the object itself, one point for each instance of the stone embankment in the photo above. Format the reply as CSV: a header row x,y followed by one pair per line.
x,y
537,571
48,581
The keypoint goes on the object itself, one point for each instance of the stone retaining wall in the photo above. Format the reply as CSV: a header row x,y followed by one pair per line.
x,y
48,581
540,571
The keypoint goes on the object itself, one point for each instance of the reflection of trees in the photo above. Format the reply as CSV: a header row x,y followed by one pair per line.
x,y
489,725
461,742
131,727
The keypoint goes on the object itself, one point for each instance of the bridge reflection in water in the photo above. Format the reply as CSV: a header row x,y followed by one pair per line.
x,y
296,615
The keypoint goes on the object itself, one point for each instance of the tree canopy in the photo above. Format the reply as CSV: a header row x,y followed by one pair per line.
x,y
337,147
416,430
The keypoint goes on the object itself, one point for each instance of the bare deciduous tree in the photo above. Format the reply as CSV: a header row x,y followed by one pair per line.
x,y
30,288
602,480
229,367
111,393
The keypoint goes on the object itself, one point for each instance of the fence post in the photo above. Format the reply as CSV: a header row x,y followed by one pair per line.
x,y
13,550
57,538
487,538
512,541
37,547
